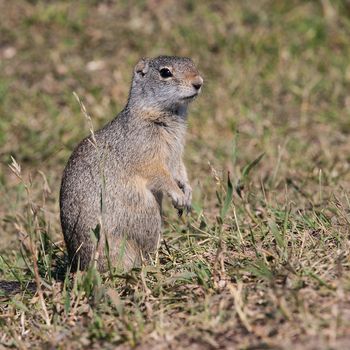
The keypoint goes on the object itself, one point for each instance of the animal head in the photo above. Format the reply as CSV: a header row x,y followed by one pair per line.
x,y
165,82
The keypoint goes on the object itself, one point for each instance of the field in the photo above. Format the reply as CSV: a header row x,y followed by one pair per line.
x,y
263,261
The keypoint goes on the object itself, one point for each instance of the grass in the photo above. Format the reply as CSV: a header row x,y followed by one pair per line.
x,y
263,260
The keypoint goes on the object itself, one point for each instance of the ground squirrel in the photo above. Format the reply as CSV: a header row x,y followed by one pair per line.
x,y
115,179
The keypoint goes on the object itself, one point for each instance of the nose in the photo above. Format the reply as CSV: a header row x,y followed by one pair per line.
x,y
197,82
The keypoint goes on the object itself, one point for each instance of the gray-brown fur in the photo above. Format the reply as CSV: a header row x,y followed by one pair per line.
x,y
119,182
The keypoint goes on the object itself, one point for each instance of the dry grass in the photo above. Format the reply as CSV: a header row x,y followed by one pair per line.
x,y
263,261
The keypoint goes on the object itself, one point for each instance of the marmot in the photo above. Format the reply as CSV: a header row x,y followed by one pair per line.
x,y
114,181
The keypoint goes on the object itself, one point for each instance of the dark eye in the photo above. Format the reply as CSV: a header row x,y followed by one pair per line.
x,y
165,73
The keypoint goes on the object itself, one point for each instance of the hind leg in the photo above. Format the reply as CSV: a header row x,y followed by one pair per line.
x,y
122,254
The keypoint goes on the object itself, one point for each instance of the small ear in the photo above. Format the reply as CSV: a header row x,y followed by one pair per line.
x,y
142,67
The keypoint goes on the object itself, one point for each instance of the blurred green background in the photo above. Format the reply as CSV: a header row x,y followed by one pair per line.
x,y
277,78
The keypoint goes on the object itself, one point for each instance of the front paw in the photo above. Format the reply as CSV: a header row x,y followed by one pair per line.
x,y
187,191
179,200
